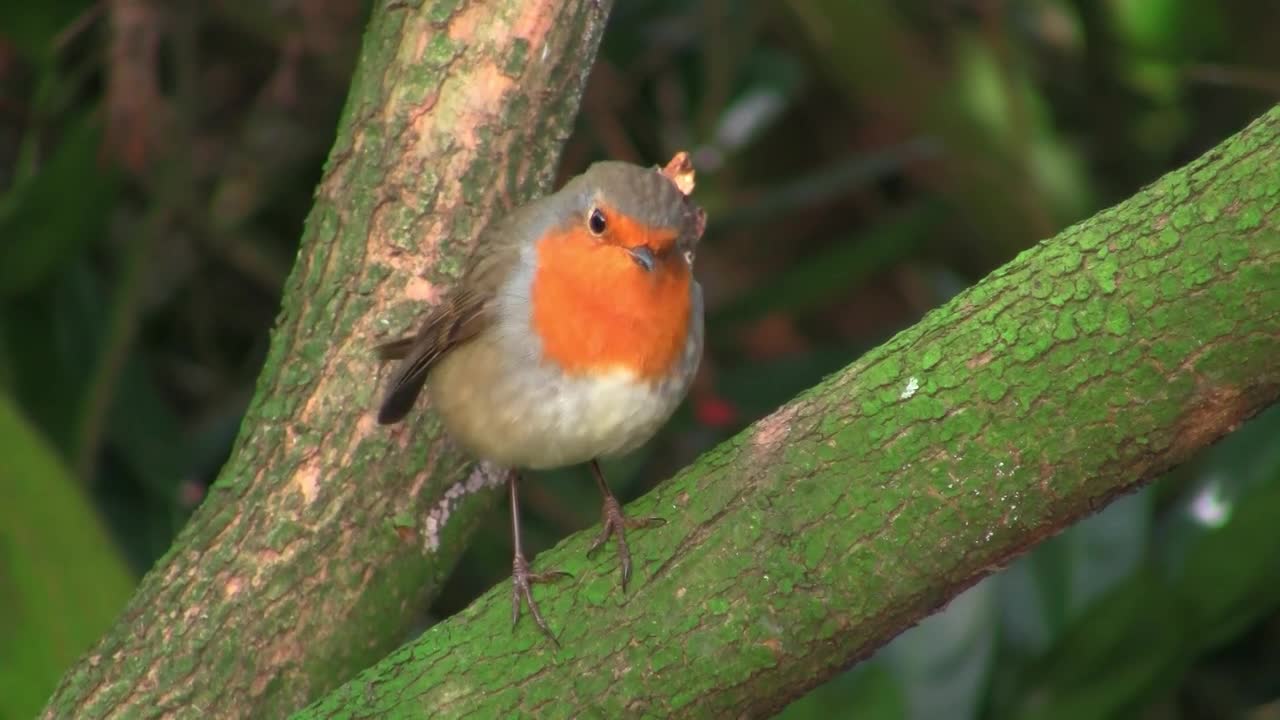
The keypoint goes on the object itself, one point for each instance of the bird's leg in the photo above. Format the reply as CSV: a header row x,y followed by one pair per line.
x,y
616,524
521,579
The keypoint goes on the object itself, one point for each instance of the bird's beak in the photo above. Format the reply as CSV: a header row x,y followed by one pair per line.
x,y
643,257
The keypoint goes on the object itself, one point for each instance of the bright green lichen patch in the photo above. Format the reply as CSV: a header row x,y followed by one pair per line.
x,y
1249,218
1065,328
930,358
1104,274
440,50
516,60
815,549
994,389
1069,259
440,11
1090,237
1008,327
1183,216
1117,321
1041,288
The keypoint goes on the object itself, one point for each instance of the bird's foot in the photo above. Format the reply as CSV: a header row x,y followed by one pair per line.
x,y
522,582
616,524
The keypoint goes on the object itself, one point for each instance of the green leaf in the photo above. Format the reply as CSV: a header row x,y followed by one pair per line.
x,y
942,663
51,335
835,271
1031,611
759,388
47,219
147,433
868,692
32,27
1227,569
1043,593
1177,30
1110,659
1106,548
1212,576
61,579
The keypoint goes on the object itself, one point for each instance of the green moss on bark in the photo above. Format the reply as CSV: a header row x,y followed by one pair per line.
x,y
291,577
1088,365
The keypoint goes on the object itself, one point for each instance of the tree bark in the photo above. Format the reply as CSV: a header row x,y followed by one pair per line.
x,y
325,535
1087,366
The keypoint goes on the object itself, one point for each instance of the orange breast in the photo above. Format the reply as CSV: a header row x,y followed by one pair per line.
x,y
596,310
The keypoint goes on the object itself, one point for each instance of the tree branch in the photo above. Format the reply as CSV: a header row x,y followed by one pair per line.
x,y
1087,366
325,535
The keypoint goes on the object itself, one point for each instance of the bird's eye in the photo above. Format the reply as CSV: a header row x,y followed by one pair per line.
x,y
596,222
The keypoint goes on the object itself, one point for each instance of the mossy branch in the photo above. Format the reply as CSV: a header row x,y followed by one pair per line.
x,y
1089,365
325,536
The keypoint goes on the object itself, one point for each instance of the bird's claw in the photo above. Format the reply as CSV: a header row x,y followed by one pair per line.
x,y
616,524
522,582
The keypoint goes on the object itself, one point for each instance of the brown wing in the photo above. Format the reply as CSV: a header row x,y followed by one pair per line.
x,y
456,322
466,313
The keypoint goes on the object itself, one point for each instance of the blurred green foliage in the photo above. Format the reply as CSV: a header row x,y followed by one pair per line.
x,y
861,162
61,580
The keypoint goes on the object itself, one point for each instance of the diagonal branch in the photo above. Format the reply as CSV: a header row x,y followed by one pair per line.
x,y
1087,366
325,536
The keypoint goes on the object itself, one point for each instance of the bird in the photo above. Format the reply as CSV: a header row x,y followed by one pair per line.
x,y
573,335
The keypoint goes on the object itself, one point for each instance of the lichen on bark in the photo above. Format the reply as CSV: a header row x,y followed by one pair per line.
x,y
1088,365
312,555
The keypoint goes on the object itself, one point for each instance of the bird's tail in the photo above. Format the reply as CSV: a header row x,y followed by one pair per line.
x,y
396,349
444,329
407,383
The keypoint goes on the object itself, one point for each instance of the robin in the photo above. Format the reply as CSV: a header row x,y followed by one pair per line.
x,y
573,335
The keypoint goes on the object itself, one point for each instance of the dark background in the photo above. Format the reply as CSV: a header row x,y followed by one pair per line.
x,y
861,162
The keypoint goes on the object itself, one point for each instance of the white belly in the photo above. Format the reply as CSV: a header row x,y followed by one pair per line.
x,y
601,416
533,417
